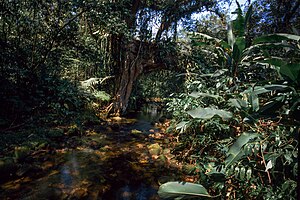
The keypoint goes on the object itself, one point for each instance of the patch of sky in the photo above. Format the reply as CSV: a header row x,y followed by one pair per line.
x,y
229,8
154,18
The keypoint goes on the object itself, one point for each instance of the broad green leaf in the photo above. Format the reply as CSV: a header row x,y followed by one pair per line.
x,y
248,16
241,43
239,22
202,35
219,72
276,38
238,103
276,61
272,106
236,53
182,190
208,113
268,46
202,113
225,45
200,94
237,151
254,101
291,70
266,88
275,87
230,36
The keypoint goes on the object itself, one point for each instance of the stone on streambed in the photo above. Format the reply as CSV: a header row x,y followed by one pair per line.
x,y
154,149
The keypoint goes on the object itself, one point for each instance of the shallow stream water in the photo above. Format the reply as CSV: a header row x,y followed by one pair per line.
x,y
115,164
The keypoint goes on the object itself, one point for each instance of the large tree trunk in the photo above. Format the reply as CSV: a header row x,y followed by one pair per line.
x,y
140,57
128,75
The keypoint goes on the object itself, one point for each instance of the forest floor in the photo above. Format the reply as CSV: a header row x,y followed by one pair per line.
x,y
118,158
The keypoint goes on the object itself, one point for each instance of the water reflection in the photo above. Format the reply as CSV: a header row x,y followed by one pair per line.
x,y
114,170
69,170
140,192
66,177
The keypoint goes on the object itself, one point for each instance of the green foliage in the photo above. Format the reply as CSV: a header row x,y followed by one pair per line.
x,y
240,129
102,96
182,190
236,151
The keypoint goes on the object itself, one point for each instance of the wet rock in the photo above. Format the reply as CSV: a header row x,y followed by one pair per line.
x,y
154,149
79,193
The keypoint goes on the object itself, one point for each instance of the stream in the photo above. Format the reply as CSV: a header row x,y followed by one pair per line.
x,y
125,162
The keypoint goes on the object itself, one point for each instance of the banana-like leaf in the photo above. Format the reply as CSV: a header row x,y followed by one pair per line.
x,y
273,105
276,61
241,43
230,36
182,190
236,53
208,113
239,22
268,46
291,70
254,101
248,16
266,88
238,103
225,45
237,151
200,94
276,38
205,37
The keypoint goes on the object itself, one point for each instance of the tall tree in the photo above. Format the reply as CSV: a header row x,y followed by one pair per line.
x,y
139,56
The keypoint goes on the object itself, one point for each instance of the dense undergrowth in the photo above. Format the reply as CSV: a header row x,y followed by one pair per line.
x,y
237,122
